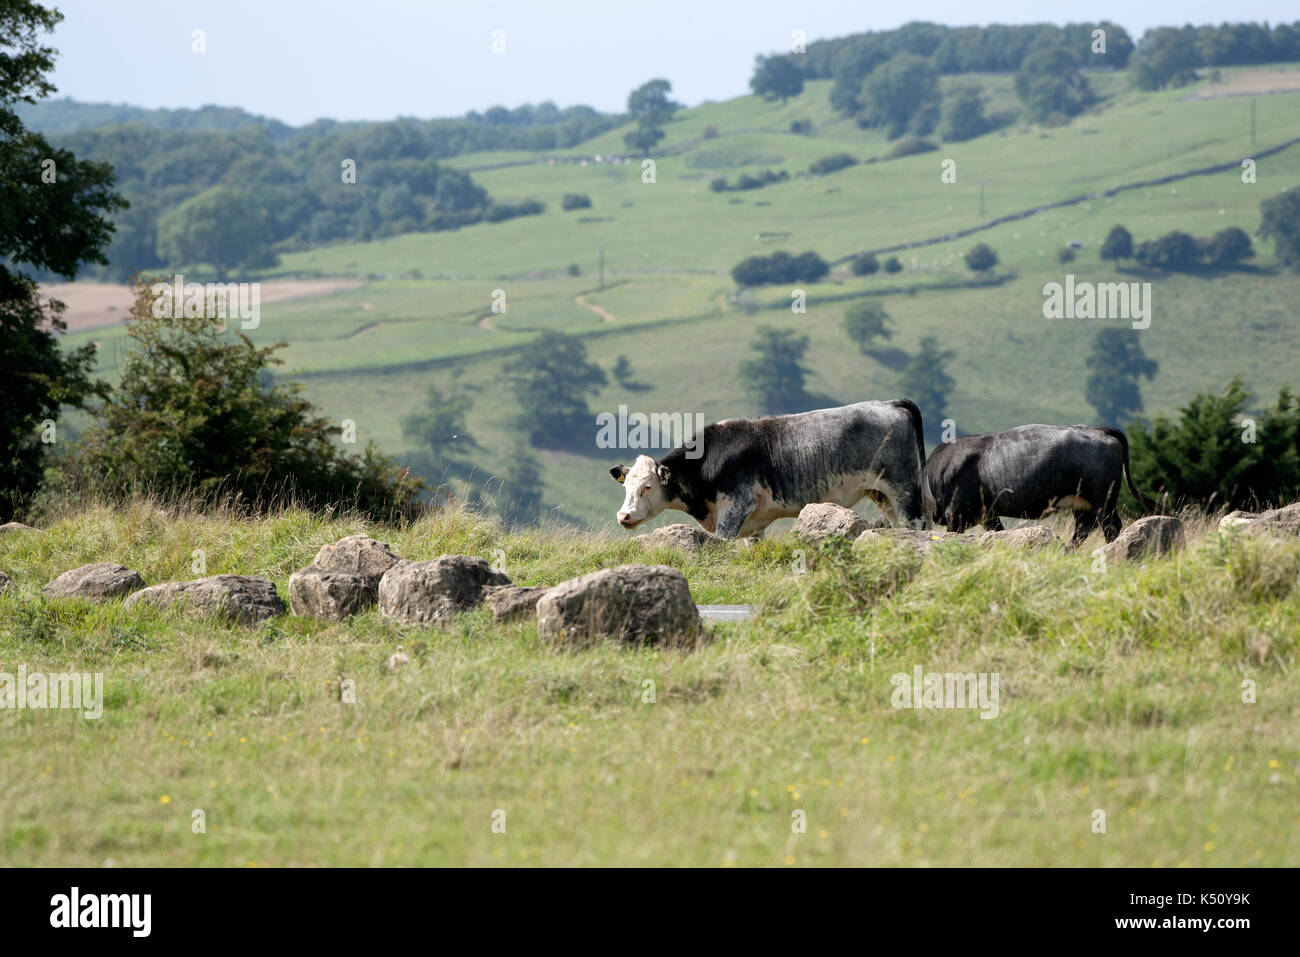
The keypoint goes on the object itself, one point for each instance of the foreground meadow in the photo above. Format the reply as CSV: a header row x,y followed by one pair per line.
x,y
1164,695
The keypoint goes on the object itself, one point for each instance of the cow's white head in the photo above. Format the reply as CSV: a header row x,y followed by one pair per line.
x,y
644,494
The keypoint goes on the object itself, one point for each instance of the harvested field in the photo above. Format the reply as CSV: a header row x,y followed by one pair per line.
x,y
93,305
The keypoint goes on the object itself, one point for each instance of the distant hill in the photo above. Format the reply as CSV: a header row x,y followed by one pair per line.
x,y
424,315
66,115
162,158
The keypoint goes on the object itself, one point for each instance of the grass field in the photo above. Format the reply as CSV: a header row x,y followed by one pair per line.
x,y
369,354
1120,691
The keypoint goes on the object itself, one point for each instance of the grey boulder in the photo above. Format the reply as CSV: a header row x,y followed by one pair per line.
x,y
1147,537
635,604
688,538
357,555
1026,536
1285,520
822,520
242,598
343,579
317,593
511,602
421,593
100,581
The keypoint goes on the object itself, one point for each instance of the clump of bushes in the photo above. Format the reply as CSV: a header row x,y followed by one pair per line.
x,y
1180,251
743,182
832,164
198,412
498,212
493,213
864,265
575,201
963,115
910,145
981,257
780,267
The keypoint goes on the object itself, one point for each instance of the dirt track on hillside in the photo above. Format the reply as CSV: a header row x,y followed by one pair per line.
x,y
604,314
94,305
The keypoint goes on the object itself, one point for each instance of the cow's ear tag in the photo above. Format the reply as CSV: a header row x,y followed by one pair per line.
x,y
619,473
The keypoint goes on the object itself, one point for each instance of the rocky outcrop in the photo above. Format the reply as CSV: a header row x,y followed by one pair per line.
x,y
242,598
1146,538
822,520
100,581
511,602
342,580
1026,536
357,555
687,538
423,593
334,596
1285,520
635,604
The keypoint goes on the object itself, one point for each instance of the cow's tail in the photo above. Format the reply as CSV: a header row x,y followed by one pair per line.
x,y
913,411
1119,435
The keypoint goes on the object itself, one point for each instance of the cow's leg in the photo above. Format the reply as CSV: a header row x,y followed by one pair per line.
x,y
732,513
879,500
1108,515
993,524
1085,520
899,498
889,510
963,513
906,507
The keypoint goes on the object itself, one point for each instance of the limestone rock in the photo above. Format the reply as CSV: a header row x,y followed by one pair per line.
x,y
1026,536
245,599
1147,537
634,604
335,596
822,520
511,602
421,593
96,582
688,538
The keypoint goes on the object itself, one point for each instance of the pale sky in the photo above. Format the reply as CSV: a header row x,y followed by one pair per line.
x,y
297,60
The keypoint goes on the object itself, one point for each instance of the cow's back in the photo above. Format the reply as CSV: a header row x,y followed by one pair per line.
x,y
1026,468
795,455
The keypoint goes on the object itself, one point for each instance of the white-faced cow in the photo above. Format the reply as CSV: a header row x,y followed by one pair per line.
x,y
747,473
1028,472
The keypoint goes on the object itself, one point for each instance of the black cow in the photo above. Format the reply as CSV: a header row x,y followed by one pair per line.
x,y
1029,471
747,473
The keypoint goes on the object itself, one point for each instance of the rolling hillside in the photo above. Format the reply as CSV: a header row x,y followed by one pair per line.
x,y
424,314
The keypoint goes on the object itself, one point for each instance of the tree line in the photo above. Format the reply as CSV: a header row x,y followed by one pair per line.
x,y
890,78
229,199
